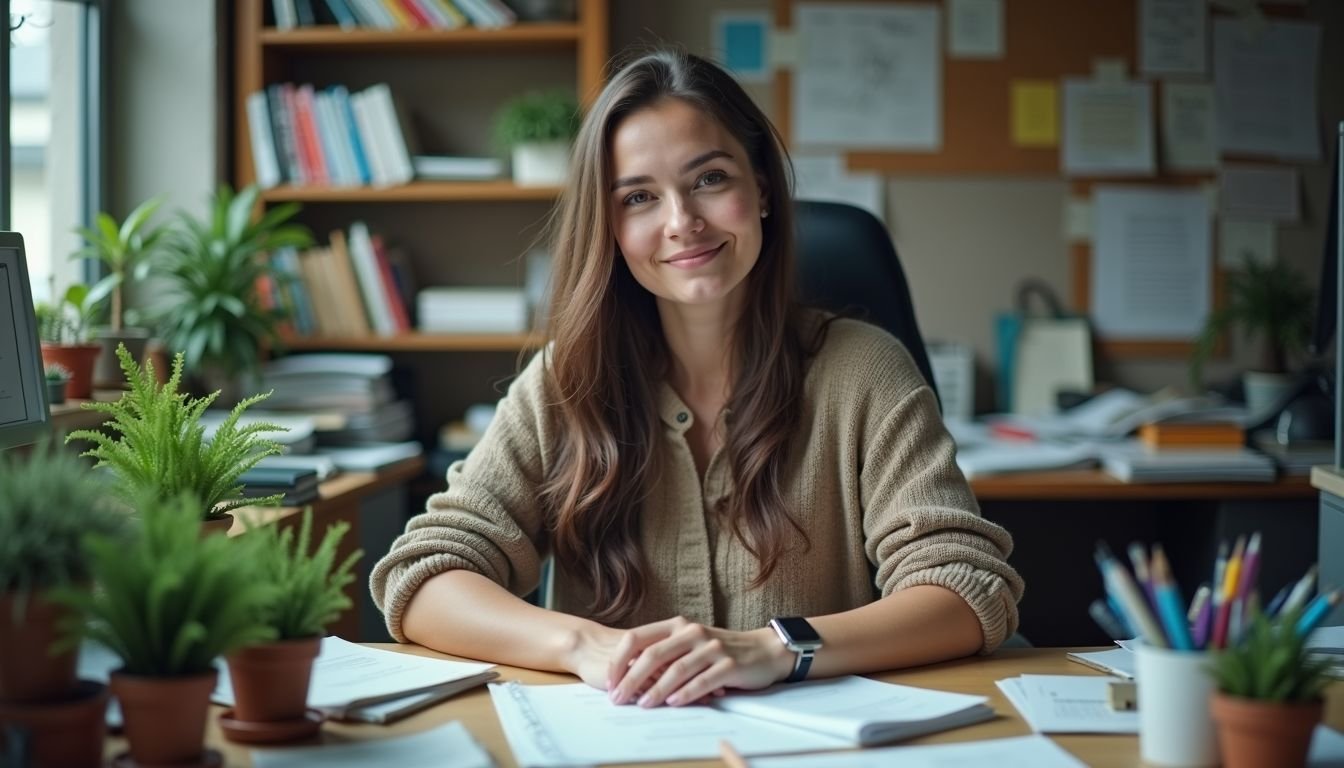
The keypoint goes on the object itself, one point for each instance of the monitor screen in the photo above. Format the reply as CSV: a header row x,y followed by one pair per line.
x,y
23,391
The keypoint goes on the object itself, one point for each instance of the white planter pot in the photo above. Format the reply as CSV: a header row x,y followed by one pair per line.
x,y
540,164
1263,390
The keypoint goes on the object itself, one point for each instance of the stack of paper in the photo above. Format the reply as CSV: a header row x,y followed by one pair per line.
x,y
1133,463
1067,704
1016,752
554,725
448,746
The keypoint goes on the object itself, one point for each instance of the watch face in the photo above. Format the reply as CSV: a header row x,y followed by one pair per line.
x,y
798,630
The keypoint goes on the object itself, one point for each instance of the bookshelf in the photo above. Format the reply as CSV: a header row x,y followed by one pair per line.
x,y
454,232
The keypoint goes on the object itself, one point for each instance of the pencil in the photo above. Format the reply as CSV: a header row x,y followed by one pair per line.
x,y
730,756
1297,599
1168,603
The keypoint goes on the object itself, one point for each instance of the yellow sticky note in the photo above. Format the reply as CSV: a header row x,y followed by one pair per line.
x,y
1035,113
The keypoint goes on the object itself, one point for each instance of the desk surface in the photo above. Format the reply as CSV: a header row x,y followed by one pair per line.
x,y
1095,485
975,676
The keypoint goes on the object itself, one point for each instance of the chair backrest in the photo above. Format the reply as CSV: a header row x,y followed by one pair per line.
x,y
848,265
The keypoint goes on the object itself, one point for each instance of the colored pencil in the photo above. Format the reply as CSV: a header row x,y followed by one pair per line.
x,y
1317,611
1168,602
1301,592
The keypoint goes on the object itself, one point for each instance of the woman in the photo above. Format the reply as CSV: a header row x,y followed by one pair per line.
x,y
700,455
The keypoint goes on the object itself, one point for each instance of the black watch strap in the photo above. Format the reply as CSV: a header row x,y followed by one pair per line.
x,y
800,666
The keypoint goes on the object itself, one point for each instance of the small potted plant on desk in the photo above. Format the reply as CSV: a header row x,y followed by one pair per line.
x,y
124,249
1269,301
169,602
1269,697
49,502
57,376
537,129
270,681
156,445
64,329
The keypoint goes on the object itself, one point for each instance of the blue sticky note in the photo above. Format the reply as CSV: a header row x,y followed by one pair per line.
x,y
744,44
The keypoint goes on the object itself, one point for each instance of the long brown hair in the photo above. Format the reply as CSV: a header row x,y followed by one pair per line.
x,y
608,352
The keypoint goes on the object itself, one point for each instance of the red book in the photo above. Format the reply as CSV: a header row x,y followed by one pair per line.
x,y
422,21
400,316
310,142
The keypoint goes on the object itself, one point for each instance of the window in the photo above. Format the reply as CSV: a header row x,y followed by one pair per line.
x,y
51,129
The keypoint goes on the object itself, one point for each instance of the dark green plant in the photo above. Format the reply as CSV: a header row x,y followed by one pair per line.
x,y
124,248
1271,662
537,116
157,444
310,588
1273,301
169,600
214,315
48,502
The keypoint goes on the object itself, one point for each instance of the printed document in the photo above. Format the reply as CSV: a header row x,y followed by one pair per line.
x,y
1265,78
1189,132
824,177
1108,128
1171,37
1016,752
868,75
553,725
448,746
1067,704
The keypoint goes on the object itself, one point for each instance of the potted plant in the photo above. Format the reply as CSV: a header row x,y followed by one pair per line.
x,y
270,681
63,327
1269,695
123,249
1271,301
215,317
57,376
169,601
537,128
49,501
155,444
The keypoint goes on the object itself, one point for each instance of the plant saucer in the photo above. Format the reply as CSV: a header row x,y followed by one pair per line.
x,y
270,732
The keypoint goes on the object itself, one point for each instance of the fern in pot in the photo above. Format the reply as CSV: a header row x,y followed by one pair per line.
x,y
168,603
270,680
156,444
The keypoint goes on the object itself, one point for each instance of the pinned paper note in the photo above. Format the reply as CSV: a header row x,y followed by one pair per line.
x,y
1108,128
742,39
975,29
1239,240
1078,220
1108,70
1035,113
1189,139
1172,38
1266,85
1268,192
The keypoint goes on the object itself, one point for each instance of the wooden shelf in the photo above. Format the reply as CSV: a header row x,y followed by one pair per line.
x,y
419,342
527,35
415,192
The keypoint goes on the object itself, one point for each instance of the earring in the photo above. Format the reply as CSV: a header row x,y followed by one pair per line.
x,y
764,213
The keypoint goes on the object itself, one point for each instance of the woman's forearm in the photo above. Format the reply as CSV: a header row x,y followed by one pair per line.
x,y
466,614
914,626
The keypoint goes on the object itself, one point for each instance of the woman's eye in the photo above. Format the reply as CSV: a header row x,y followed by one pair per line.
x,y
712,177
636,198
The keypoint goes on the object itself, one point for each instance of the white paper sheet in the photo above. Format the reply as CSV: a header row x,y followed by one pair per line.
x,y
1016,752
1152,267
1172,37
448,746
1239,239
1266,86
1116,661
1327,748
868,75
824,177
1067,704
975,29
345,672
1267,192
1189,128
1108,128
555,725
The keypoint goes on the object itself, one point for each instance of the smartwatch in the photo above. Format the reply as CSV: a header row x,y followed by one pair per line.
x,y
798,636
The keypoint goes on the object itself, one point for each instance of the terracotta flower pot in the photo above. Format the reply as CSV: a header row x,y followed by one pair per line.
x,y
63,733
270,681
79,361
164,716
1256,734
28,670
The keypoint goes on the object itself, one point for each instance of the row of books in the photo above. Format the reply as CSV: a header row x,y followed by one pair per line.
x,y
392,14
354,286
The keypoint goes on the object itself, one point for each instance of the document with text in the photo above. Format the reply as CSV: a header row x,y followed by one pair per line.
x,y
555,725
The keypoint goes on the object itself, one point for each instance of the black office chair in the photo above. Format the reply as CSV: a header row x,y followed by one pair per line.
x,y
848,265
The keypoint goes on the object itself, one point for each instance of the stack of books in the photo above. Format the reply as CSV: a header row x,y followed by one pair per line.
x,y
472,310
297,486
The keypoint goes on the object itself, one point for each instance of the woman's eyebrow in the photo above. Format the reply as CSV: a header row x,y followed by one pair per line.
x,y
698,160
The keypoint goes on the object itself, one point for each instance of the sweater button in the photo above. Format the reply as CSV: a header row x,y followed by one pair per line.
x,y
682,417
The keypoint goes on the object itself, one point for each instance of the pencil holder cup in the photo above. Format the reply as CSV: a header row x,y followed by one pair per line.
x,y
1175,727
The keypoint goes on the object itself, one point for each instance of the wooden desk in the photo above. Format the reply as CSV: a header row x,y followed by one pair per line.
x,y
1093,484
974,676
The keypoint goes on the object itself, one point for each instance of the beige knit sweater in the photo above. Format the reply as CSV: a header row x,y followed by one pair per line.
x,y
874,485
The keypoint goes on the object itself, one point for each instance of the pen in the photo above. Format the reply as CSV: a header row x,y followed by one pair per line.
x,y
1198,605
1108,623
1142,574
1250,567
1301,592
730,756
1168,602
1274,605
1316,612
1229,589
1199,628
1130,599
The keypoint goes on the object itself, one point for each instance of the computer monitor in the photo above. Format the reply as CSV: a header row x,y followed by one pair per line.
x,y
23,389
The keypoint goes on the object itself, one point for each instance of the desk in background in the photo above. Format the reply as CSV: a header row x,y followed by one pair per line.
x,y
973,675
1057,517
